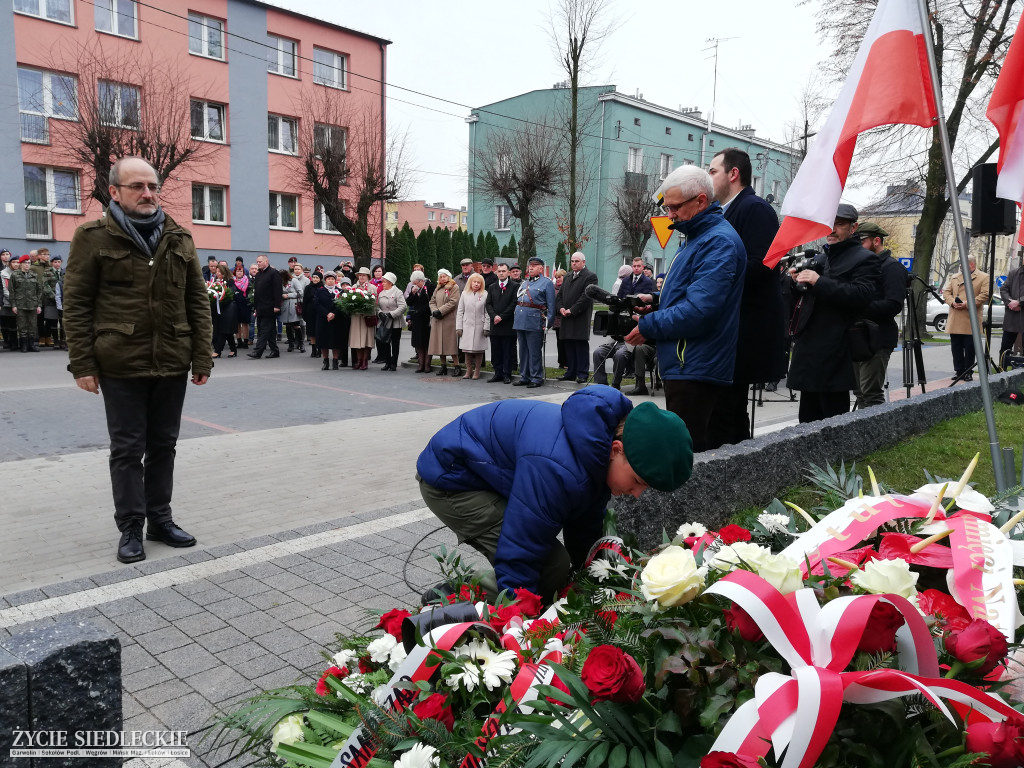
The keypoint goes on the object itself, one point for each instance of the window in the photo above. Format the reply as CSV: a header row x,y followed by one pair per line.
x,y
48,191
668,131
328,68
205,36
504,165
42,95
502,217
116,17
281,55
665,166
320,221
282,134
635,160
207,121
636,121
711,143
687,162
776,189
689,137
118,104
53,10
207,204
284,211
430,215
758,186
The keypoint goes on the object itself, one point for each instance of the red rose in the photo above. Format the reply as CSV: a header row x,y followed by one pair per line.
x,y
606,618
542,628
435,707
556,682
949,613
739,620
467,594
391,622
979,645
730,534
1000,741
612,675
365,665
529,603
321,684
880,631
502,616
728,760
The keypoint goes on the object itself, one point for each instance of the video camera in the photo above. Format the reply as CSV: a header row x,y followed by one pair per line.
x,y
617,320
801,260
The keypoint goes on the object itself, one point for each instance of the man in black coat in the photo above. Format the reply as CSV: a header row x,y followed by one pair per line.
x,y
760,346
825,304
501,308
881,312
267,296
576,308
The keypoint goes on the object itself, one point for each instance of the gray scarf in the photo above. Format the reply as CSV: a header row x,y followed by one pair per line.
x,y
146,232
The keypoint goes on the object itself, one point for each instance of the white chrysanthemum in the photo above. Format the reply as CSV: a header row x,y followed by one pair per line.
x,y
686,530
397,656
774,523
480,660
380,694
420,756
344,658
739,553
287,731
357,682
380,649
602,569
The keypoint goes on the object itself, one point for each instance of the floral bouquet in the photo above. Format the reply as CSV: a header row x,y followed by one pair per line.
x,y
873,635
356,301
219,292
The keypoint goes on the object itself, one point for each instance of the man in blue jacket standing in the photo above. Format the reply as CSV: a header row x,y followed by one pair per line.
x,y
697,320
535,312
509,476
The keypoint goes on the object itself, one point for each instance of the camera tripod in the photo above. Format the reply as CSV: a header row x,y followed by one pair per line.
x,y
913,356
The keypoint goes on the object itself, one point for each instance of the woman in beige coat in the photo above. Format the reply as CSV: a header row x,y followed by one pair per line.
x,y
472,324
360,335
443,304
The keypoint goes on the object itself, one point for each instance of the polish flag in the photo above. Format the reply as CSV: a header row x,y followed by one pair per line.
x,y
888,83
1006,112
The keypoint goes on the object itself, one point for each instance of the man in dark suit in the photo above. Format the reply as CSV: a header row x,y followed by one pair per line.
x,y
638,282
501,308
210,270
576,308
760,356
267,296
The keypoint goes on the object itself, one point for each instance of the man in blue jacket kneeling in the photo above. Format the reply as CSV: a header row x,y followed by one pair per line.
x,y
509,476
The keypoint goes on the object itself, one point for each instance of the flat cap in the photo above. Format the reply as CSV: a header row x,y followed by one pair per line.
x,y
870,229
464,262
488,262
846,211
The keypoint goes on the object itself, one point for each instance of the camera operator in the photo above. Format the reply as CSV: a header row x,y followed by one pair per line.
x,y
880,318
697,322
825,304
621,354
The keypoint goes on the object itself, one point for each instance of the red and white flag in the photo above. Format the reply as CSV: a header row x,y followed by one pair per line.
x,y
1006,112
888,83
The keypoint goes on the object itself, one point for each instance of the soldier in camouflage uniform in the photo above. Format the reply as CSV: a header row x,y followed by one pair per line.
x,y
27,298
47,321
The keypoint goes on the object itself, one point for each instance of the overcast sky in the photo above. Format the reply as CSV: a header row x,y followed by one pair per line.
x,y
474,52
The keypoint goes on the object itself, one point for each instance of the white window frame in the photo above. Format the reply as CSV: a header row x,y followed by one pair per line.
x,y
42,10
207,207
338,66
430,215
635,160
207,105
277,54
758,186
502,218
50,206
111,11
276,199
777,189
280,119
207,26
44,110
665,165
321,224
118,105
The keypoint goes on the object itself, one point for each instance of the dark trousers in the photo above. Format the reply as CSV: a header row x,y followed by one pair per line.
x,y
693,402
266,332
531,356
143,419
503,351
390,347
815,406
577,354
219,337
961,345
730,421
622,361
1009,339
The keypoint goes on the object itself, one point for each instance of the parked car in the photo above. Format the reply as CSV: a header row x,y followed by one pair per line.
x,y
936,313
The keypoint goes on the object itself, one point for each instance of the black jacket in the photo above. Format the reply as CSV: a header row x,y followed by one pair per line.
x,y
572,296
760,355
821,355
888,299
503,304
643,285
267,291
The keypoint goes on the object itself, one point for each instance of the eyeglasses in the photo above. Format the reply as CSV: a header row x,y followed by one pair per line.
x,y
138,186
673,208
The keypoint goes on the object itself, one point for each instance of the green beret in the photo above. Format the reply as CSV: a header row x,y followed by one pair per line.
x,y
658,447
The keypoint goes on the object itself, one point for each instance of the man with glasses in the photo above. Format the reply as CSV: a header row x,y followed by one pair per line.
x,y
576,308
137,319
695,326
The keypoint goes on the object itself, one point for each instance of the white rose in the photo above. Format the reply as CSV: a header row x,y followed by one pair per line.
x,y
741,553
884,577
287,731
380,649
671,578
781,572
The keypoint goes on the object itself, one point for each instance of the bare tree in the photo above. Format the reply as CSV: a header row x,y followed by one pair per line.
x,y
577,28
632,208
351,167
128,101
521,167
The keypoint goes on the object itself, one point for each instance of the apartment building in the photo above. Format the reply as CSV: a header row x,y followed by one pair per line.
x,y
237,76
420,214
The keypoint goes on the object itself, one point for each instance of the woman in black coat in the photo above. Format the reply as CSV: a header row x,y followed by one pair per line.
x,y
225,317
309,312
331,323
417,299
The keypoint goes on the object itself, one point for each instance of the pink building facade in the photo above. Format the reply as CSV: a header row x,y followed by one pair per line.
x,y
246,73
421,215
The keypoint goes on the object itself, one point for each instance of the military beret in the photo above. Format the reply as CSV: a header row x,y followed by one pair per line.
x,y
658,447
846,211
24,258
870,229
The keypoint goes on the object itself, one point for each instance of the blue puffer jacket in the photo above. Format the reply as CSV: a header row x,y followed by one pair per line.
x,y
697,322
550,462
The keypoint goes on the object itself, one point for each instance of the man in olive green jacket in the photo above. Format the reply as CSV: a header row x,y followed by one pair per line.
x,y
137,318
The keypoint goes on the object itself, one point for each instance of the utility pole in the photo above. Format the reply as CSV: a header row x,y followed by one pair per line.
x,y
714,93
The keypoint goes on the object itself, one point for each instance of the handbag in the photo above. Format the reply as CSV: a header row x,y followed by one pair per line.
x,y
370,320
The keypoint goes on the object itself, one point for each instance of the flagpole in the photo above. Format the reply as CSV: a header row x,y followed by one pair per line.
x,y
961,240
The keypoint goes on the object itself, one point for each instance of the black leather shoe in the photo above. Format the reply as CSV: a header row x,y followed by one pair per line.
x,y
170,534
495,379
255,355
507,380
129,548
567,377
521,383
581,380
534,384
638,391
272,355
